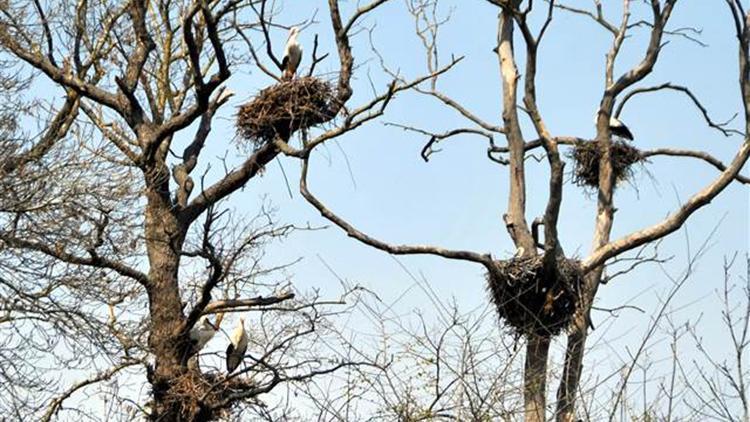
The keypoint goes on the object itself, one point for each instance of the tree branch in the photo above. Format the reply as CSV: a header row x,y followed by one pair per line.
x,y
721,126
674,221
56,404
94,260
484,259
671,152
238,305
598,17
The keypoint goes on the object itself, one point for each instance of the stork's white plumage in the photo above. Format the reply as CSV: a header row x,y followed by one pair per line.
x,y
202,333
292,55
237,346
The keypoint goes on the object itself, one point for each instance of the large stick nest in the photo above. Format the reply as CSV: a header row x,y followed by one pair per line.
x,y
284,108
198,395
532,301
586,157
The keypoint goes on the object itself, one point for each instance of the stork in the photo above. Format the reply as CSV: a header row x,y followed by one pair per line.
x,y
203,332
237,346
618,128
292,55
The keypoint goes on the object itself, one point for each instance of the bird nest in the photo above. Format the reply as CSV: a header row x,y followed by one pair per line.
x,y
284,108
586,157
532,301
204,396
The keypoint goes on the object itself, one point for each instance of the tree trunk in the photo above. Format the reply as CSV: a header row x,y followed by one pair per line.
x,y
574,352
164,238
535,378
566,393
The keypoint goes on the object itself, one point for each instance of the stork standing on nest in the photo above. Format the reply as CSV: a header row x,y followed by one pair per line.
x,y
292,55
237,346
617,128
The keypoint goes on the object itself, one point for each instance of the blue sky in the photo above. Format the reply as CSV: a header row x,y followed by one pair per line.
x,y
378,182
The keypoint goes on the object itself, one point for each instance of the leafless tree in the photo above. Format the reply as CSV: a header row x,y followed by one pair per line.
x,y
456,367
532,20
110,255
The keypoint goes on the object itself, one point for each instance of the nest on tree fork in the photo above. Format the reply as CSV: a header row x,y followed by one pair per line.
x,y
586,157
532,301
202,395
284,108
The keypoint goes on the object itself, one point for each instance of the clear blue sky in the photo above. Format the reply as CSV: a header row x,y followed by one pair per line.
x,y
457,199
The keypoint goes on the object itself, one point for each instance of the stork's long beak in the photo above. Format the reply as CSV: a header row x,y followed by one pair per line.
x,y
219,318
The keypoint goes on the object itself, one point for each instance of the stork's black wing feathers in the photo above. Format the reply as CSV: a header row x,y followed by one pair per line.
x,y
284,62
232,361
622,131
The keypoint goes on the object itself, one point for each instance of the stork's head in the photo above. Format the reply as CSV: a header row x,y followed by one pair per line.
x,y
293,32
206,323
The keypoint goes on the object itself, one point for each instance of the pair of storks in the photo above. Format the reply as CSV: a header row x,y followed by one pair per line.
x,y
204,331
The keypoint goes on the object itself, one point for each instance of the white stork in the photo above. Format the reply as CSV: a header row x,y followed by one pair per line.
x,y
618,128
203,332
292,55
237,346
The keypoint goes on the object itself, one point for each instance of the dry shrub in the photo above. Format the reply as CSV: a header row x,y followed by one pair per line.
x,y
531,301
284,108
586,157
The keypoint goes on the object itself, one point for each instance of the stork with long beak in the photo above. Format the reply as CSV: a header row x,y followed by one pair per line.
x,y
292,55
204,331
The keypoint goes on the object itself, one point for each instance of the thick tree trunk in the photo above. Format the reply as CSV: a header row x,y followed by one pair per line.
x,y
535,378
164,238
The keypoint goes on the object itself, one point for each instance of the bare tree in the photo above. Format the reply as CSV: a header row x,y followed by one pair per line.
x,y
109,257
547,257
456,367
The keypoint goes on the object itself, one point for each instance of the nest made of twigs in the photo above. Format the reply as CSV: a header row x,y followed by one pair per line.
x,y
532,301
284,108
204,394
586,157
